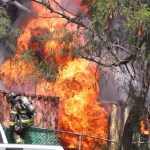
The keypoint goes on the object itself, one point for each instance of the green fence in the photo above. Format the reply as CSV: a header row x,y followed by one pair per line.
x,y
35,135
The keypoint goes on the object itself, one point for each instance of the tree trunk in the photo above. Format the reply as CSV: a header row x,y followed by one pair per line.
x,y
132,121
149,135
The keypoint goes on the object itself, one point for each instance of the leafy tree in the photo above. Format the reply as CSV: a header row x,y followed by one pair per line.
x,y
7,32
44,68
118,31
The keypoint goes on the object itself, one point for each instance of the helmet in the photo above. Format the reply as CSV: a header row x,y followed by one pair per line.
x,y
10,97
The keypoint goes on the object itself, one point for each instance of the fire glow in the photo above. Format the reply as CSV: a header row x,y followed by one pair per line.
x,y
144,127
76,82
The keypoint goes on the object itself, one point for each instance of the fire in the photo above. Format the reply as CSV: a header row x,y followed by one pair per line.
x,y
79,110
15,72
144,127
76,83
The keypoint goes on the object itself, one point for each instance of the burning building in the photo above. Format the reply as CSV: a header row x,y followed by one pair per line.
x,y
40,50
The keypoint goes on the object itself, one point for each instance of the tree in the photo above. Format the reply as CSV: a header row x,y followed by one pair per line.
x,y
7,32
116,34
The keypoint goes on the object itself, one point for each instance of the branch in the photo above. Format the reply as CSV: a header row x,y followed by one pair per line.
x,y
94,59
113,53
49,17
64,15
98,61
132,77
122,48
124,61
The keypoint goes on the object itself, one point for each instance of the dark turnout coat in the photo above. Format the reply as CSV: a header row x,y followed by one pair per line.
x,y
21,117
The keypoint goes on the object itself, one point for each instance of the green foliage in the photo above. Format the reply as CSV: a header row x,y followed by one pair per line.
x,y
100,11
64,52
137,17
77,51
111,20
7,32
67,37
136,14
44,68
28,55
47,70
136,145
66,41
42,38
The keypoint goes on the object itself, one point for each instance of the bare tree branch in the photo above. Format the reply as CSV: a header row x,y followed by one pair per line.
x,y
122,48
98,61
124,61
132,77
113,53
94,59
49,17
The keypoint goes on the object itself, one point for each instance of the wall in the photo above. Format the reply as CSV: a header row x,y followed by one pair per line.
x,y
46,108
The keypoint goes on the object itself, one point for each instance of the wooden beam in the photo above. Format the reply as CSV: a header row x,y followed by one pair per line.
x,y
114,127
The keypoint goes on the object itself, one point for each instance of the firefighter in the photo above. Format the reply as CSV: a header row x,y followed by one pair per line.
x,y
21,115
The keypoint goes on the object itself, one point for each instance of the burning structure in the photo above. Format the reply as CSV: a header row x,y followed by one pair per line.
x,y
47,118
40,50
45,49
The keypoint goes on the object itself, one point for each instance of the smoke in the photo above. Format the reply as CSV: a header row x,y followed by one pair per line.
x,y
14,14
109,82
23,16
4,54
72,6
113,85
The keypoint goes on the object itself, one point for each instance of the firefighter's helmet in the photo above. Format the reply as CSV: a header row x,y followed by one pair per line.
x,y
10,97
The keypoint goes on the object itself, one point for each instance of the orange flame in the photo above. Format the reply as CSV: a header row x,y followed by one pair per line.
x,y
144,127
79,110
76,83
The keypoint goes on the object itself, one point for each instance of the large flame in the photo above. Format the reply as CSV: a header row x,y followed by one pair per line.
x,y
76,82
79,110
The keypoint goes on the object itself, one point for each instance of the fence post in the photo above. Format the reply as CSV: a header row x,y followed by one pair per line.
x,y
80,141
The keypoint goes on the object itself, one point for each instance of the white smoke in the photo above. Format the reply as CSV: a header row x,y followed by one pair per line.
x,y
113,85
71,6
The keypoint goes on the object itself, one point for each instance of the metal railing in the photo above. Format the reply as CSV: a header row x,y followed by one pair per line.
x,y
79,135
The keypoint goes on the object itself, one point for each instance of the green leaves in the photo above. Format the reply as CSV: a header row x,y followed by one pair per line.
x,y
137,18
4,24
47,70
28,55
7,33
100,11
44,68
